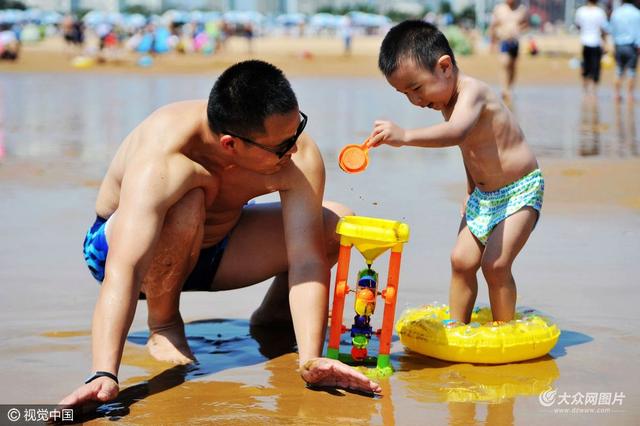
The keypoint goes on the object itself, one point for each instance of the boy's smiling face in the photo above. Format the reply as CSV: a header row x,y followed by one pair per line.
x,y
424,88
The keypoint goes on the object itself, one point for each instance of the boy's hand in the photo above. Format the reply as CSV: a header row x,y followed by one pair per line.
x,y
101,389
331,372
386,132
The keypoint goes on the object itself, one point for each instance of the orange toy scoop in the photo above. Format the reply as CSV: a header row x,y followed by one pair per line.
x,y
354,158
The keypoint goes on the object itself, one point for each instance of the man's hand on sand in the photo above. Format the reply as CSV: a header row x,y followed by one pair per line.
x,y
101,389
330,372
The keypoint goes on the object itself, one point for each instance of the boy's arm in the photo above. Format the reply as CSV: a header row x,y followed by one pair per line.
x,y
144,201
309,271
465,115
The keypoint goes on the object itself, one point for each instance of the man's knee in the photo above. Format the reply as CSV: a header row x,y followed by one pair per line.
x,y
332,212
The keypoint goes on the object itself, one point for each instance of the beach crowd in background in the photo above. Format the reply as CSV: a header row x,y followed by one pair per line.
x,y
104,36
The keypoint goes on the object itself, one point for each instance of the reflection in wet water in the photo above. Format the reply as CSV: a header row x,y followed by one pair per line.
x,y
474,394
82,118
626,127
598,138
590,127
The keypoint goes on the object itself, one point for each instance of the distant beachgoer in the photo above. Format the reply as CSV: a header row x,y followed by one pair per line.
x,y
625,31
172,216
67,29
9,43
508,21
248,32
347,35
592,23
504,184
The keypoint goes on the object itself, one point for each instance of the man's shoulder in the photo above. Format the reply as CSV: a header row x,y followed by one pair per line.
x,y
307,162
177,110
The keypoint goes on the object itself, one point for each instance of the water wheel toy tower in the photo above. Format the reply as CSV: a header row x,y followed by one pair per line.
x,y
371,237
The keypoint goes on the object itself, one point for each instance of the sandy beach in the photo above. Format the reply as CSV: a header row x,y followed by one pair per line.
x,y
59,127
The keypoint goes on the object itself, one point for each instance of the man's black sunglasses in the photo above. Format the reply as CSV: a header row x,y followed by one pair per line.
x,y
282,148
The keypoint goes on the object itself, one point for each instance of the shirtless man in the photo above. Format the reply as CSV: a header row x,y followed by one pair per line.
x,y
507,22
173,216
504,185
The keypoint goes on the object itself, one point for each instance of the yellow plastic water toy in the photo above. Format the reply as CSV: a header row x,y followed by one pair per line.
x,y
429,331
371,237
83,62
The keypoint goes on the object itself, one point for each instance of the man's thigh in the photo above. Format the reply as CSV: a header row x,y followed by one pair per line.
x,y
256,250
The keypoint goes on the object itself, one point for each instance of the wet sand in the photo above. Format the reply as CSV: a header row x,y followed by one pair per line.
x,y
580,266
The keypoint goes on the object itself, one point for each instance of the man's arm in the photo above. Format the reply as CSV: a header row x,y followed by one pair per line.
x,y
450,133
309,271
308,266
147,193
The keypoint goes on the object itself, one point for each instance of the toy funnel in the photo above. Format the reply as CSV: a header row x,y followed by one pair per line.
x,y
372,236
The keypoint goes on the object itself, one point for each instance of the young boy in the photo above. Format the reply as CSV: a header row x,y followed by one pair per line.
x,y
504,185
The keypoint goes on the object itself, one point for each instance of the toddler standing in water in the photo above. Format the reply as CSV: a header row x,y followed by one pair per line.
x,y
504,185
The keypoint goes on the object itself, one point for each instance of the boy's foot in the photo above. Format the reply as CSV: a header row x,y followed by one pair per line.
x,y
169,344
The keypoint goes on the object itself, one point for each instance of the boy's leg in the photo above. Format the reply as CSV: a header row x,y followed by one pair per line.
x,y
465,262
504,244
175,256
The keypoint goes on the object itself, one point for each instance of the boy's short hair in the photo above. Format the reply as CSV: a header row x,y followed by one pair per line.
x,y
246,94
413,39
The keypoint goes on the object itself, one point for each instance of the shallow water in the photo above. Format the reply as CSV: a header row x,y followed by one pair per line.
x,y
58,133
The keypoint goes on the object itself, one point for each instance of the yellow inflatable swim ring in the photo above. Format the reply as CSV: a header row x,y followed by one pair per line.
x,y
429,331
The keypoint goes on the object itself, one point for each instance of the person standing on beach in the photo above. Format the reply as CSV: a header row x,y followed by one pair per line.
x,y
173,215
505,187
625,31
508,21
592,23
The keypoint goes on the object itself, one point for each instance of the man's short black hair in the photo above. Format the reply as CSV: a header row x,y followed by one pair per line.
x,y
246,94
417,40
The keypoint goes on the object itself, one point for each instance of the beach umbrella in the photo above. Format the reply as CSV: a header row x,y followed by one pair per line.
x,y
135,20
10,16
94,18
51,17
291,19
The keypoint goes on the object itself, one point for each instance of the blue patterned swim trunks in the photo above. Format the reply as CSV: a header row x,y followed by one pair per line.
x,y
487,209
96,248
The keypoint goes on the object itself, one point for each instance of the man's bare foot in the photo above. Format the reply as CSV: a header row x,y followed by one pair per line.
x,y
333,373
169,344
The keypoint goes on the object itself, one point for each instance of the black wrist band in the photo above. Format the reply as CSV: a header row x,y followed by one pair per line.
x,y
102,374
